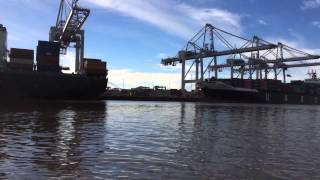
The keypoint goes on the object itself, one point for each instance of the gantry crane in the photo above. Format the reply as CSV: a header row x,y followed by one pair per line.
x,y
279,59
253,55
67,30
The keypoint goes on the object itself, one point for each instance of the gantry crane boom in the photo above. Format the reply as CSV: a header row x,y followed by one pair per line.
x,y
74,22
274,61
286,66
208,54
71,18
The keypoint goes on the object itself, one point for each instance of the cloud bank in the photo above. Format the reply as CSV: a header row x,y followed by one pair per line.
x,y
310,4
131,79
173,17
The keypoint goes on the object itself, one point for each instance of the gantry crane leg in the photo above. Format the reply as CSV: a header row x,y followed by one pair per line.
x,y
183,78
79,52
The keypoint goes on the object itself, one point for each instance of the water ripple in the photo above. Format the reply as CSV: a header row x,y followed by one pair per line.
x,y
149,140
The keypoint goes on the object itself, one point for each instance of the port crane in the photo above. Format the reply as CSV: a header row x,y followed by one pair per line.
x,y
253,56
67,30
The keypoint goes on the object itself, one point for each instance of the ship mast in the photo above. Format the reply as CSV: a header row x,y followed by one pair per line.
x,y
67,30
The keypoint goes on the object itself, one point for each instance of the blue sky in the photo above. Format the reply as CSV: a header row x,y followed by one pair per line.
x,y
133,35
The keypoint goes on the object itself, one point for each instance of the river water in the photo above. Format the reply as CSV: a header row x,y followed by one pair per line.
x,y
159,140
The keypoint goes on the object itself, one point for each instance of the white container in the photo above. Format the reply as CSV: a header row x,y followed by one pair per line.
x,y
3,43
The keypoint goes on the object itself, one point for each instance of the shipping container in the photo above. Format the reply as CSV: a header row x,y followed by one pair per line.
x,y
21,67
285,88
256,85
47,51
95,67
299,89
92,60
236,82
96,72
297,82
48,60
175,92
21,61
247,83
311,91
54,45
318,91
264,85
46,48
21,53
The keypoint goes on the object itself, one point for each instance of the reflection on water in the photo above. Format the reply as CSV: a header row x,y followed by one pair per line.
x,y
149,140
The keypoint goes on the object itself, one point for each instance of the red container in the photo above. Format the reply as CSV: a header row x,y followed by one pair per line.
x,y
47,61
247,83
264,84
96,72
92,60
21,53
95,67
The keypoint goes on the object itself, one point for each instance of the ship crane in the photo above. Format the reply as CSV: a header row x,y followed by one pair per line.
x,y
253,55
67,30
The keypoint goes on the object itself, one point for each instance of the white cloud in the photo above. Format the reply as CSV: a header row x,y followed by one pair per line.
x,y
173,17
162,55
218,17
68,60
15,38
310,4
316,24
132,79
297,36
260,21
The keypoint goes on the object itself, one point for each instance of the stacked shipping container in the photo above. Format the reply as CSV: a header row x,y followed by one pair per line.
x,y
95,67
21,59
48,56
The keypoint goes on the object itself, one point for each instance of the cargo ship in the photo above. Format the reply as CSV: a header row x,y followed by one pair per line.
x,y
262,91
26,76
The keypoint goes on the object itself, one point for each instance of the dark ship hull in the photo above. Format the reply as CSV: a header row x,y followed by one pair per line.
x,y
278,93
15,85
